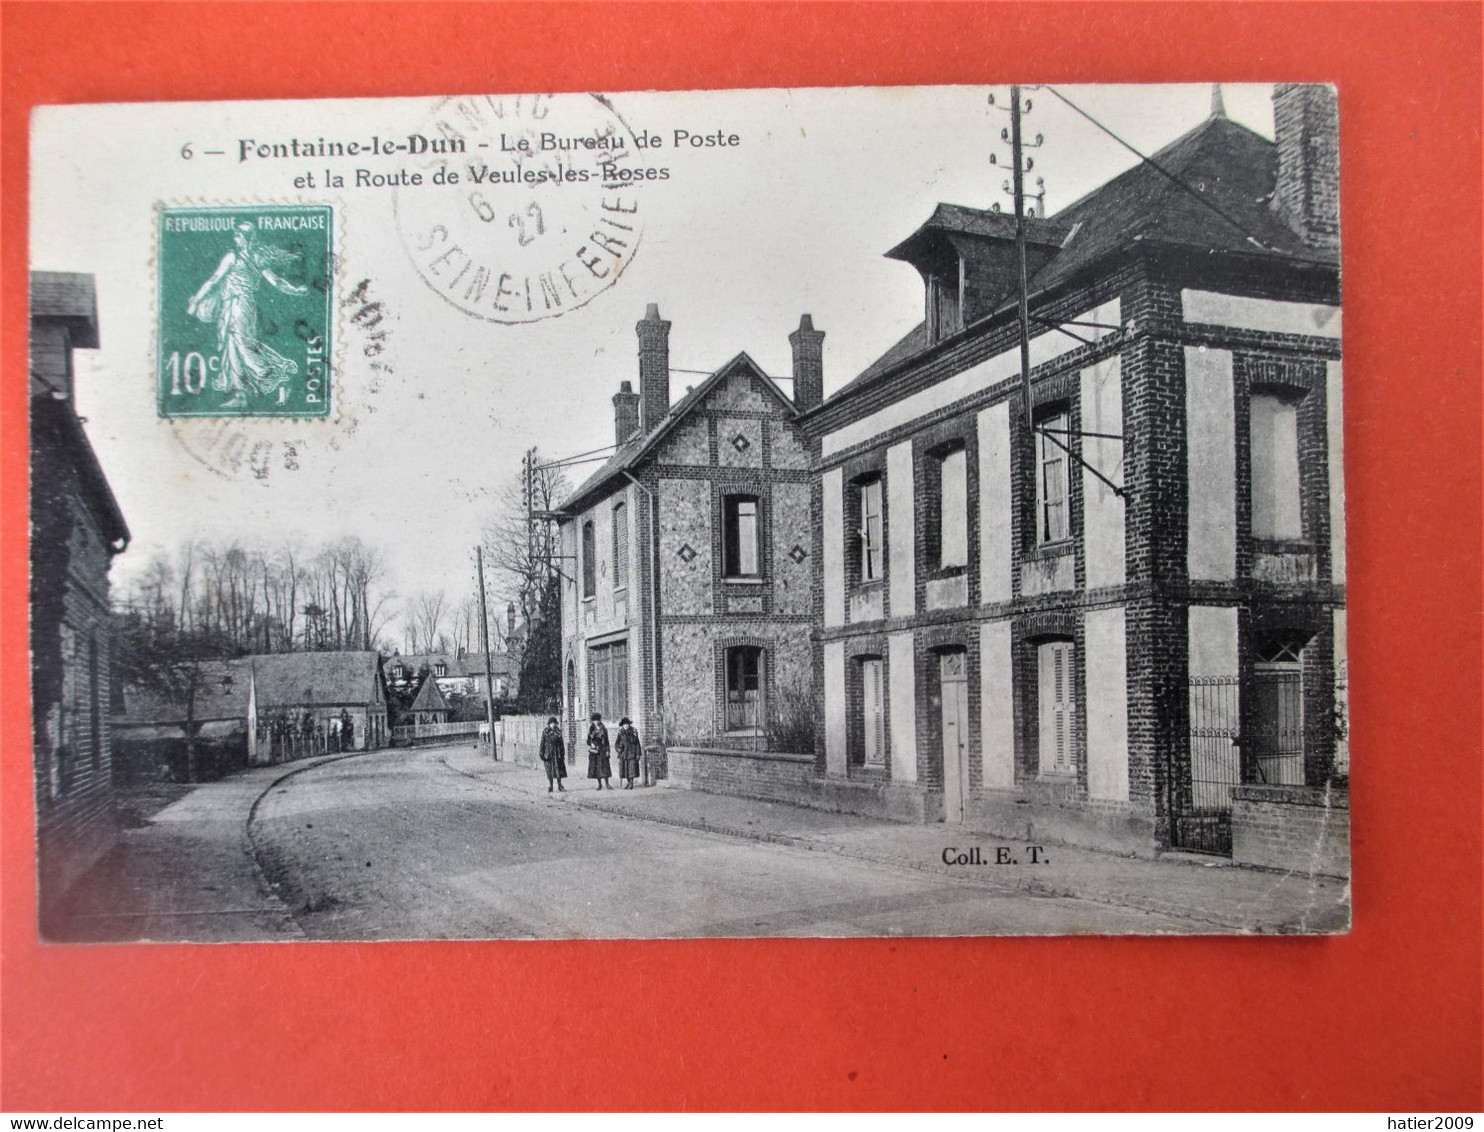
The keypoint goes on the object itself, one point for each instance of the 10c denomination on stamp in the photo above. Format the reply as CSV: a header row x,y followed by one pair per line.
x,y
244,315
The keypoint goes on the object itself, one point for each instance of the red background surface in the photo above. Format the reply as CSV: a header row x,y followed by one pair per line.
x,y
1386,1018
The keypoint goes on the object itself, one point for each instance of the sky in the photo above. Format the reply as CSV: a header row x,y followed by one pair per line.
x,y
435,406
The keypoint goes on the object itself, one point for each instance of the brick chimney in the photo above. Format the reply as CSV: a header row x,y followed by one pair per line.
x,y
1307,194
625,412
808,346
654,367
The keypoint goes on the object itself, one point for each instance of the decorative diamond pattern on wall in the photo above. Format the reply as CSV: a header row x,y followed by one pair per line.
x,y
798,554
687,553
741,443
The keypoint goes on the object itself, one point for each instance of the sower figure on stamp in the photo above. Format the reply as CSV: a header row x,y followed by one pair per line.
x,y
229,299
627,748
598,764
554,754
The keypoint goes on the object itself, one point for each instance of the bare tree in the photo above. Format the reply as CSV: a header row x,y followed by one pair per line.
x,y
266,598
426,617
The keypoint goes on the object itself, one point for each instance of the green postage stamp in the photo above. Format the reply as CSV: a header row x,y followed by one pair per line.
x,y
244,311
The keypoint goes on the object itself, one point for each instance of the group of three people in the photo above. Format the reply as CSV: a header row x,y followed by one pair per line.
x,y
599,766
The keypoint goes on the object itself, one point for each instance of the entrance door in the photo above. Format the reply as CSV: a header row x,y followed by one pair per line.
x,y
1277,723
954,676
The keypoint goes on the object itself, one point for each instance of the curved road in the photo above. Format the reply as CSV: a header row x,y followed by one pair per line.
x,y
399,845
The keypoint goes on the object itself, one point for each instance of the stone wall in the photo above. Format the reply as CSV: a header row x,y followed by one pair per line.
x,y
1293,828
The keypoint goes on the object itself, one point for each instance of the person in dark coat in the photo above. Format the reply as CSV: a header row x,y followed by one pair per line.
x,y
554,755
626,746
598,764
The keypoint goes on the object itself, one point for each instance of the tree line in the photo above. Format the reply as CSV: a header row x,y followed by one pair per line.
x,y
287,598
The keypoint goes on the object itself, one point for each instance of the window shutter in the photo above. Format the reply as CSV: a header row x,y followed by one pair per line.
x,y
873,716
620,546
1054,687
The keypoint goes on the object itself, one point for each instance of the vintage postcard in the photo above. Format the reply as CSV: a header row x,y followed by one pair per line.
x,y
820,512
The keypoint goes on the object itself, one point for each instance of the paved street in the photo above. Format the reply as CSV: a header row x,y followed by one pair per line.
x,y
402,845
443,843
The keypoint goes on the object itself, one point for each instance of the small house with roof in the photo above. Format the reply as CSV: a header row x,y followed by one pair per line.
x,y
258,710
1114,615
319,694
428,706
688,605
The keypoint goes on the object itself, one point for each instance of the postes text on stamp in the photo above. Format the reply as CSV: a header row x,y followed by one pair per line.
x,y
244,311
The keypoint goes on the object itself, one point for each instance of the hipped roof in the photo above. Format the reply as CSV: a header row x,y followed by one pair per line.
x,y
1224,162
429,697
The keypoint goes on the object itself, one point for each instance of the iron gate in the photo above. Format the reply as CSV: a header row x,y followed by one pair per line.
x,y
1201,805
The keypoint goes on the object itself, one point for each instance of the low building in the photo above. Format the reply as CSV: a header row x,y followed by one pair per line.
x,y
76,530
428,706
1105,615
256,710
688,604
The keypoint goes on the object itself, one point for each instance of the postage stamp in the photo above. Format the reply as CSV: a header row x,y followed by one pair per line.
x,y
245,311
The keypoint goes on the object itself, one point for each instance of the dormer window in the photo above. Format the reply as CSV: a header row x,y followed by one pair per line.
x,y
945,305
440,669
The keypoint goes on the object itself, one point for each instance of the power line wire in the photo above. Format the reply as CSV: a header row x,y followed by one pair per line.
x,y
1158,168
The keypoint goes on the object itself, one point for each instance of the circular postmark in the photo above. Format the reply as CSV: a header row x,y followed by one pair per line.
x,y
529,205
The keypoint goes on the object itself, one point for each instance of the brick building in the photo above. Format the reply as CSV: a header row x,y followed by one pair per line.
x,y
688,604
76,529
1115,616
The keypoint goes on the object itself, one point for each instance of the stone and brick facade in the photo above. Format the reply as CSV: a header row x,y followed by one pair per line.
x,y
1092,616
688,604
76,529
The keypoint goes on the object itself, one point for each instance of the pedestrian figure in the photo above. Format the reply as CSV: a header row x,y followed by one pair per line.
x,y
554,755
627,748
598,764
347,731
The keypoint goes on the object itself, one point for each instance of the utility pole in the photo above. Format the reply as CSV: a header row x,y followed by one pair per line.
x,y
484,639
1018,180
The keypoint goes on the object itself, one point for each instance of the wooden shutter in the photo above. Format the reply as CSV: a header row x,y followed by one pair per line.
x,y
873,716
620,546
1054,684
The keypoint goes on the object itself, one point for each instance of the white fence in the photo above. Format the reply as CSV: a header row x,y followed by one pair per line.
x,y
409,733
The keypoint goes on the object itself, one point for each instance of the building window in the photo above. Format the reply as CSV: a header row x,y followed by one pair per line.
x,y
440,669
1056,719
741,534
1053,484
873,713
1276,513
744,668
608,669
589,560
871,532
620,546
947,509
